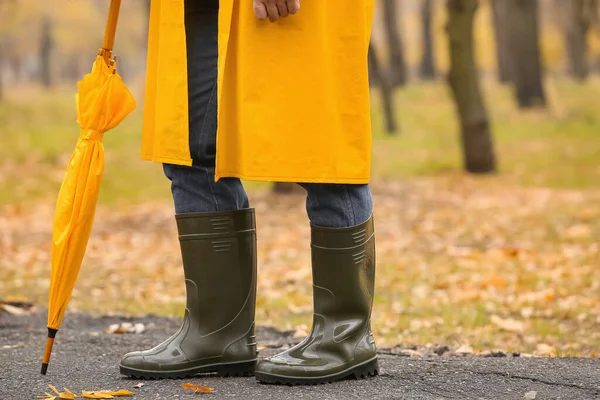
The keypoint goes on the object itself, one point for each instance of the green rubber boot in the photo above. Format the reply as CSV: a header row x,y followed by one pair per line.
x,y
217,335
340,344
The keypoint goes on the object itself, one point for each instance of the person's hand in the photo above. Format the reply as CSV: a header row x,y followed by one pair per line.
x,y
275,9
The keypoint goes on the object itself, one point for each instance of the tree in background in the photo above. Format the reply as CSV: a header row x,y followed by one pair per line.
x,y
501,25
576,18
147,5
6,15
387,91
523,32
46,43
1,79
399,72
478,148
427,65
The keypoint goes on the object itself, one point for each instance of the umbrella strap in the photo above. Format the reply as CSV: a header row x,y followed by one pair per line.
x,y
91,134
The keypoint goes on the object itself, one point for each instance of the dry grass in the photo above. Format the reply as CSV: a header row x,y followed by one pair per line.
x,y
461,260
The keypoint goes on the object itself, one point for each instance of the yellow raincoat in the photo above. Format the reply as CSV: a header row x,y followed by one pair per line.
x,y
293,98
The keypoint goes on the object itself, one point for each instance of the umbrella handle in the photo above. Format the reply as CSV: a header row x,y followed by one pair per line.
x,y
111,28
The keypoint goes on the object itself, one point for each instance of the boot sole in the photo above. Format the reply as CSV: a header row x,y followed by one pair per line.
x,y
245,368
361,371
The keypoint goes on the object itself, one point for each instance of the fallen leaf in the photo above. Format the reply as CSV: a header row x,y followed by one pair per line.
x,y
12,346
120,393
511,252
545,349
66,395
579,231
464,349
12,309
126,327
495,281
15,306
47,396
139,328
527,312
106,394
113,329
411,353
530,395
301,332
196,388
96,395
299,309
508,324
138,385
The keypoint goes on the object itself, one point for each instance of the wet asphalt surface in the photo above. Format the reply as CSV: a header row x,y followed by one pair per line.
x,y
85,357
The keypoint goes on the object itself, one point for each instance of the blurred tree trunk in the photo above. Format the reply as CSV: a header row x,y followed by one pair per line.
x,y
501,27
387,92
46,52
72,67
525,51
147,10
396,47
373,82
16,66
427,67
463,78
1,80
2,58
578,16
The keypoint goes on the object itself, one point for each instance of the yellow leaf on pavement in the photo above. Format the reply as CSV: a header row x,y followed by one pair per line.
x,y
197,388
121,393
96,395
66,395
106,394
47,396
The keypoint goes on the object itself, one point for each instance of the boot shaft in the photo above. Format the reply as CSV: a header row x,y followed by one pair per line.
x,y
219,260
343,262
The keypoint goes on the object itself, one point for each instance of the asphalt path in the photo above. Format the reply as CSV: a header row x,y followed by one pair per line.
x,y
85,357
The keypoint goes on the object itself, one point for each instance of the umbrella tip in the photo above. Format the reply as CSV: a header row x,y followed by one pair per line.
x,y
48,351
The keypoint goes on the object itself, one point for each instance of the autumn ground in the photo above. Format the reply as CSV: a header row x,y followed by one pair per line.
x,y
86,358
507,262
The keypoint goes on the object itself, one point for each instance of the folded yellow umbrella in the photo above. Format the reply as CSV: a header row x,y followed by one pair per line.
x,y
103,101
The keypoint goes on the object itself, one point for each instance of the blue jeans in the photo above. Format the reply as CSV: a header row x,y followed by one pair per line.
x,y
194,188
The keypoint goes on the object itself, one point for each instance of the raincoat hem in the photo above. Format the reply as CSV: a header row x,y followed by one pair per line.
x,y
174,161
354,181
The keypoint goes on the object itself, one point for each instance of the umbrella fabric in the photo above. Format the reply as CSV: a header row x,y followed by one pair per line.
x,y
103,101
